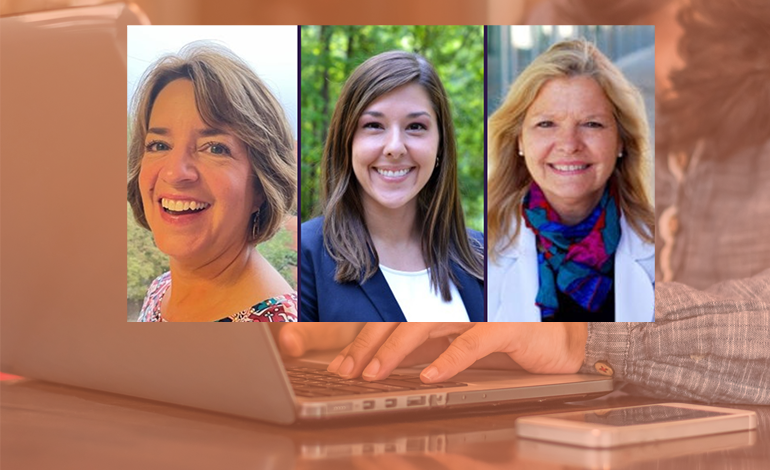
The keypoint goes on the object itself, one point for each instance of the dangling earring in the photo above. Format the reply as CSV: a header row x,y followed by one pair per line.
x,y
255,225
438,160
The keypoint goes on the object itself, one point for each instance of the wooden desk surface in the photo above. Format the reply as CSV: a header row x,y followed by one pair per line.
x,y
44,425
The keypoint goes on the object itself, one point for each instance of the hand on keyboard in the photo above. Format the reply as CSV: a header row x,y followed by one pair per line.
x,y
308,382
547,348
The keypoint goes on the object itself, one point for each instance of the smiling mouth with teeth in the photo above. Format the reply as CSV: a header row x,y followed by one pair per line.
x,y
394,173
177,207
569,167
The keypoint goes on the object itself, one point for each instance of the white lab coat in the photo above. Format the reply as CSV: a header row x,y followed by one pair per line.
x,y
513,279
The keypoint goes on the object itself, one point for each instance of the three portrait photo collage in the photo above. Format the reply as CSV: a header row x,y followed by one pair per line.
x,y
392,174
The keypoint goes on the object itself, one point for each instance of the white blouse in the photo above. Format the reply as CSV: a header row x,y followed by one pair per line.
x,y
419,302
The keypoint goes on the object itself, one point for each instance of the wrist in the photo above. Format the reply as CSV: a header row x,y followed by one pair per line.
x,y
578,336
606,349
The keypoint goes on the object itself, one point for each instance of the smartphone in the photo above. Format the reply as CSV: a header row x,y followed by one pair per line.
x,y
611,427
560,455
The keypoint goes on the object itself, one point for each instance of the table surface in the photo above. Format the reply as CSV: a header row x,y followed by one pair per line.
x,y
45,425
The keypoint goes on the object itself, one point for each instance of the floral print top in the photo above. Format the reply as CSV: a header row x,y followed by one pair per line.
x,y
276,309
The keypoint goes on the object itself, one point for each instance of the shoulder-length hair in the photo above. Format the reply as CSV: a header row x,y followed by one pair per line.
x,y
228,95
510,179
444,238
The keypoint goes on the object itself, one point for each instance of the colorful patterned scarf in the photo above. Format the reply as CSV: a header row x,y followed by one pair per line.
x,y
577,260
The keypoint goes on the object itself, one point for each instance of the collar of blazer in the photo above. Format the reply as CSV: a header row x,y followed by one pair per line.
x,y
634,279
378,291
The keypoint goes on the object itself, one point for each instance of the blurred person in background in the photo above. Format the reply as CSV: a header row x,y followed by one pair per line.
x,y
713,152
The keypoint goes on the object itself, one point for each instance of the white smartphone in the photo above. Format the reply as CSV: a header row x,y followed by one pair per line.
x,y
560,455
612,427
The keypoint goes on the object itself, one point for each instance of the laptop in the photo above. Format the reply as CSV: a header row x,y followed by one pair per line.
x,y
321,395
239,371
63,189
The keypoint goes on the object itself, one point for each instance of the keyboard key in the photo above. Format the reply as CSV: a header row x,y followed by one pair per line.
x,y
318,383
325,373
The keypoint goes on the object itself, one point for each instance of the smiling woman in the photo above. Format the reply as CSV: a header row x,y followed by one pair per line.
x,y
211,173
389,176
570,217
391,244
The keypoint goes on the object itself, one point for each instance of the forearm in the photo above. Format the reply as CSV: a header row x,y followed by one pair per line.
x,y
711,345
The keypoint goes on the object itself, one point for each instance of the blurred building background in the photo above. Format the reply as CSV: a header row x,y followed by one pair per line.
x,y
511,48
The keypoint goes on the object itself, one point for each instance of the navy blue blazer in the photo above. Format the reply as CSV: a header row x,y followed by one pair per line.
x,y
324,299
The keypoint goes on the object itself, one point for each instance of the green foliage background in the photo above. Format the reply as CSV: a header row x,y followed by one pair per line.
x,y
331,53
145,261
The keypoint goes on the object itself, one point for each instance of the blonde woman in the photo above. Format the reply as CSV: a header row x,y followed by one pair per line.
x,y
571,221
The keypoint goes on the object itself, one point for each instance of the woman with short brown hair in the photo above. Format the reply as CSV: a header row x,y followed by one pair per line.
x,y
211,173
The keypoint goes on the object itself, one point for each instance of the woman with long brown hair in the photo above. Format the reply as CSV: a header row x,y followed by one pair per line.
x,y
391,244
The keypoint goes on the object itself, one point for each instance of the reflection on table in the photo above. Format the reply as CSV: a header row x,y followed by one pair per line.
x,y
45,425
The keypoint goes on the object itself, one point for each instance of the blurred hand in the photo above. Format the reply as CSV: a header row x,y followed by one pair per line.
x,y
544,348
295,339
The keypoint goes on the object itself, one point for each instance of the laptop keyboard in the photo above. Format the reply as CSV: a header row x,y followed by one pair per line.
x,y
309,382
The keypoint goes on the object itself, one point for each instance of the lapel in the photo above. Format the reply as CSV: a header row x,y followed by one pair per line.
x,y
520,284
472,296
634,291
382,298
